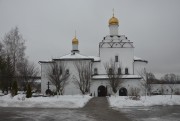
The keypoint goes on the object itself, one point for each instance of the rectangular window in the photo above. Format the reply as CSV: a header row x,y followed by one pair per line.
x,y
126,71
116,58
119,71
95,71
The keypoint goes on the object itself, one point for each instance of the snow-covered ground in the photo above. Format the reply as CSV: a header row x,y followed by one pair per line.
x,y
123,101
65,101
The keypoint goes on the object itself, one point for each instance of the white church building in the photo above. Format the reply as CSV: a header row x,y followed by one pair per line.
x,y
114,47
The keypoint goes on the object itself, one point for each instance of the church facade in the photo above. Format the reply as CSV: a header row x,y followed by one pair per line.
x,y
113,47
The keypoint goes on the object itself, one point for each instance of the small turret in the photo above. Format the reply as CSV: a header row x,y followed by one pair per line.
x,y
75,43
113,25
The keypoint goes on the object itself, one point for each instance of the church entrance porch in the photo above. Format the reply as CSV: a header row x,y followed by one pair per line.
x,y
123,92
102,91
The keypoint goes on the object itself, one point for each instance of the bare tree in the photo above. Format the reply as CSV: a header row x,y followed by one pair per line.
x,y
84,74
134,93
171,80
27,74
162,89
113,70
58,75
14,47
147,79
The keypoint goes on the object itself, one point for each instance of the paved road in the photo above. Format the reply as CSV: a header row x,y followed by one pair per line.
x,y
98,108
154,113
42,114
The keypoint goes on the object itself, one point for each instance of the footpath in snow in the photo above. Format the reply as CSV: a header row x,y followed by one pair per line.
x,y
124,101
65,101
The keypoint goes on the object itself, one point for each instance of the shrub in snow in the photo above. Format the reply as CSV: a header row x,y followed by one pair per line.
x,y
177,92
28,93
21,98
134,94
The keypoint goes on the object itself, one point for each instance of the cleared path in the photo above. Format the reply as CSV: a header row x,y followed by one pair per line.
x,y
98,108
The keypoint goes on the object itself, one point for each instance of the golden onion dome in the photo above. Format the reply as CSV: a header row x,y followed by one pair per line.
x,y
75,41
113,21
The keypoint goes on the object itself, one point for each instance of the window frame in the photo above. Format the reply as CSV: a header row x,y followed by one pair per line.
x,y
67,71
116,58
126,71
95,71
119,71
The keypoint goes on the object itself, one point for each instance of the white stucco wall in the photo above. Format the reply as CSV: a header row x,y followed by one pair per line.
x,y
139,67
71,88
99,66
44,78
95,84
74,46
113,29
127,83
125,56
130,84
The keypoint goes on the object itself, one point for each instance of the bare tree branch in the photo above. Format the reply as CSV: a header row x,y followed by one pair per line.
x,y
113,70
171,79
84,74
27,72
147,79
57,74
14,47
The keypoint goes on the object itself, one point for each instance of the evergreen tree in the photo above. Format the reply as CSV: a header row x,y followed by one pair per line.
x,y
14,88
28,93
6,74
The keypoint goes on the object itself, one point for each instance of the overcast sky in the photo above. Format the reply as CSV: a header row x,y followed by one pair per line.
x,y
48,27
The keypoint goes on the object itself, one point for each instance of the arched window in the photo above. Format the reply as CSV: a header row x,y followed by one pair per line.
x,y
95,71
67,71
119,71
110,70
126,71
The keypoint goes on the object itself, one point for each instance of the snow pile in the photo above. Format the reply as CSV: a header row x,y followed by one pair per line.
x,y
1,94
123,101
65,101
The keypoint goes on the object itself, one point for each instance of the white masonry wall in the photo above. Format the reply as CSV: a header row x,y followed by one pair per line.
x,y
125,56
129,84
44,78
71,88
139,67
99,66
113,29
95,84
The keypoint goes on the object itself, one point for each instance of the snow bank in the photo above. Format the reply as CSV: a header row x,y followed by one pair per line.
x,y
65,101
121,101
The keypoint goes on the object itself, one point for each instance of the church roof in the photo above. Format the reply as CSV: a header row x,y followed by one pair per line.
x,y
139,59
95,58
104,76
74,56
